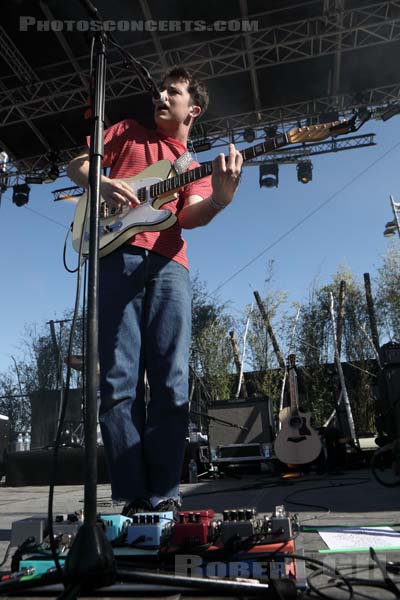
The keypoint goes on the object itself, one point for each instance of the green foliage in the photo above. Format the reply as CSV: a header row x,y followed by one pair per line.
x,y
37,369
260,353
211,354
388,293
17,409
41,365
315,348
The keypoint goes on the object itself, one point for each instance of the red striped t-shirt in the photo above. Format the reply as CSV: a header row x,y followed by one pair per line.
x,y
128,149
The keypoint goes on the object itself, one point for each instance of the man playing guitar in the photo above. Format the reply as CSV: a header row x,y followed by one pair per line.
x,y
145,300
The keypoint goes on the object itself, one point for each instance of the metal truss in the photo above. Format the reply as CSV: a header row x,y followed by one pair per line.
x,y
288,155
68,193
219,132
294,154
321,35
12,56
291,114
17,176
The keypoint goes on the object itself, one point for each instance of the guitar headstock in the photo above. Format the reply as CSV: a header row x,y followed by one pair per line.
x,y
317,133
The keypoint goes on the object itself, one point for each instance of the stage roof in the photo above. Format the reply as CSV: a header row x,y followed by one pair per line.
x,y
266,63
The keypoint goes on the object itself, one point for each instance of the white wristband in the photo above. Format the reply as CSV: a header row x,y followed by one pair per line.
x,y
215,205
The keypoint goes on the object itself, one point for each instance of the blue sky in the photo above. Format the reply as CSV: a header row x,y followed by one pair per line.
x,y
347,230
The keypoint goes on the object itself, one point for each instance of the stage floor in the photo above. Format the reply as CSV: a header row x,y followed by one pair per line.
x,y
349,498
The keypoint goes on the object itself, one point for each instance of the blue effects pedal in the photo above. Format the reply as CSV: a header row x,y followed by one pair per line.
x,y
150,529
115,525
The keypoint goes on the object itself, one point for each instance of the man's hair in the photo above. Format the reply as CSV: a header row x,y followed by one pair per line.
x,y
197,89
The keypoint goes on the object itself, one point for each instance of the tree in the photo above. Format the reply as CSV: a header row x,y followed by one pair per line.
x,y
315,349
211,353
388,293
40,365
37,369
260,355
13,406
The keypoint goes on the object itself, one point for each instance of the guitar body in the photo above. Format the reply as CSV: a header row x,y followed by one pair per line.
x,y
119,228
297,442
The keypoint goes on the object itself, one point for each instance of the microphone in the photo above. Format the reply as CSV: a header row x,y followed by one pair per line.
x,y
157,95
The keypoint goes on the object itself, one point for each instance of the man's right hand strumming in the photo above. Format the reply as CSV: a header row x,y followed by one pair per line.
x,y
117,192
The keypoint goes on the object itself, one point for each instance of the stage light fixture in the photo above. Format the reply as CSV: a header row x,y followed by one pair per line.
x,y
390,229
3,162
53,173
249,135
20,195
304,171
269,175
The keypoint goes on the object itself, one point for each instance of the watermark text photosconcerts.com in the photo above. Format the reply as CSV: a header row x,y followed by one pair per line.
x,y
29,23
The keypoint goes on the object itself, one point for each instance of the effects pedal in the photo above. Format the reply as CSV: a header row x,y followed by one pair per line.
x,y
239,523
38,566
115,525
193,528
150,529
37,527
278,527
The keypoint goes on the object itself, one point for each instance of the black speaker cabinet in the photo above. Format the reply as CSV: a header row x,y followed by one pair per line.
x,y
254,416
4,434
44,415
34,467
388,405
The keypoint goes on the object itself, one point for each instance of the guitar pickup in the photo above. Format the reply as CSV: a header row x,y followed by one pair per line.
x,y
112,228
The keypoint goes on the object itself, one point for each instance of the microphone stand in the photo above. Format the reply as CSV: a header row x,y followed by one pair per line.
x,y
90,561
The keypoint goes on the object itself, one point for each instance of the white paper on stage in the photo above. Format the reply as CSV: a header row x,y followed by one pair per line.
x,y
360,537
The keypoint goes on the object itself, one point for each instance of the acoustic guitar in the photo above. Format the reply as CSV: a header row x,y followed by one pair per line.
x,y
297,442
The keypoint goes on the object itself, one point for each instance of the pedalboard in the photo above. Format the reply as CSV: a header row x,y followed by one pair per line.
x,y
257,546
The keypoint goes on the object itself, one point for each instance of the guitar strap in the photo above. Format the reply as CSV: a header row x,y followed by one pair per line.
x,y
183,162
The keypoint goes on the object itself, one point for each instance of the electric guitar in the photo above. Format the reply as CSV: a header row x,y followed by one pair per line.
x,y
297,442
157,185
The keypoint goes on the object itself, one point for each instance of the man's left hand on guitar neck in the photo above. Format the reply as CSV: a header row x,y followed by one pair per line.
x,y
226,176
199,211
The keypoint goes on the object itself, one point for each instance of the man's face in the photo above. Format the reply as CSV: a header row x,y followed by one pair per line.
x,y
175,105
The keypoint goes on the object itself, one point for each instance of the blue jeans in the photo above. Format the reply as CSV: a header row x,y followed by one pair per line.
x,y
144,324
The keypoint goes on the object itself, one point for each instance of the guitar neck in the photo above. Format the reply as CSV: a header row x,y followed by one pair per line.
x,y
293,389
206,169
